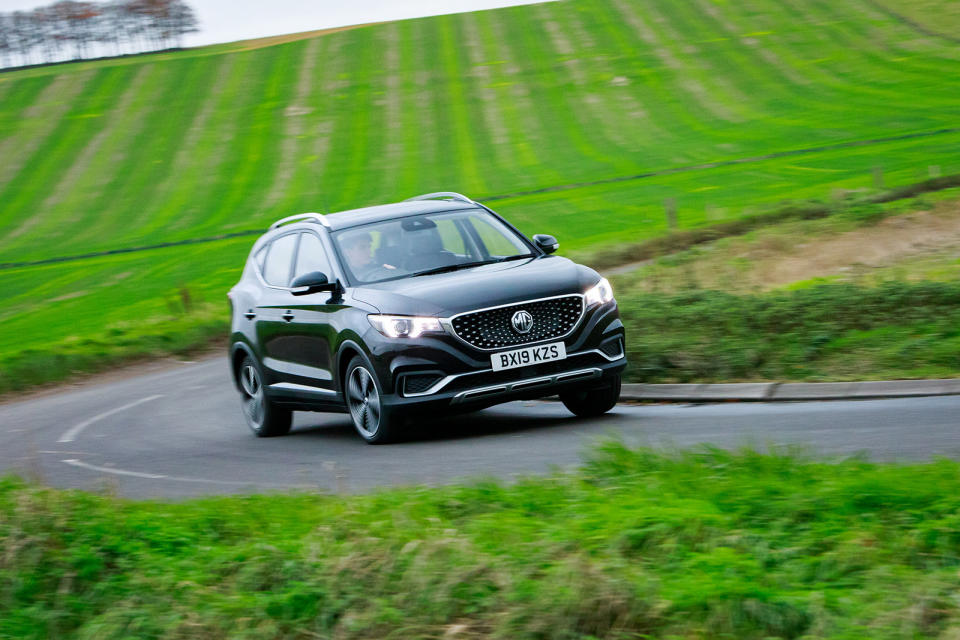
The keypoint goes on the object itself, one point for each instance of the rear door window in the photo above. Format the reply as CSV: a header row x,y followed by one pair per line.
x,y
276,270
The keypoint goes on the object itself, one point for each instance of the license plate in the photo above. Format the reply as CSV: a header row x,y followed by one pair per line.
x,y
527,356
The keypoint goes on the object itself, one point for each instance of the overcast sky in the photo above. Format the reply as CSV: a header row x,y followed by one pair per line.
x,y
228,20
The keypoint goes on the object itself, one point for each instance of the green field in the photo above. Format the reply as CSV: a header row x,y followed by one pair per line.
x,y
931,16
636,544
96,156
486,103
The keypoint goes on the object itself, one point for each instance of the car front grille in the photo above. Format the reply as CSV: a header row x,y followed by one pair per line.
x,y
494,329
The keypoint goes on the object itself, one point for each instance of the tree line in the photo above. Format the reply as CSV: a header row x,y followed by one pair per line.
x,y
71,29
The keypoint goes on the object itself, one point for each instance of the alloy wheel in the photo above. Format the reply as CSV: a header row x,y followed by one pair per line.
x,y
253,399
364,401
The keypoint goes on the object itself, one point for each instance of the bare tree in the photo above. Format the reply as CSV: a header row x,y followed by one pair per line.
x,y
6,40
25,36
50,33
85,28
113,25
146,13
182,21
81,20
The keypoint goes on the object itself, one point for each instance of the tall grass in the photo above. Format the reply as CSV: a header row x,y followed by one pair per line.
x,y
636,544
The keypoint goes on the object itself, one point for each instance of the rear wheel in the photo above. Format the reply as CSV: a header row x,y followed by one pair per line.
x,y
374,422
264,418
592,402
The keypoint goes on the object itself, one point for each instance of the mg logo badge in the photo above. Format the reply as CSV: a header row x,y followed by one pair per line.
x,y
522,321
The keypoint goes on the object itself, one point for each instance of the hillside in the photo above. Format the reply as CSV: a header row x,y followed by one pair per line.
x,y
931,17
487,103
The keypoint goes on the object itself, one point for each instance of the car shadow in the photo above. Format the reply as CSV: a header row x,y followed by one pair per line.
x,y
464,426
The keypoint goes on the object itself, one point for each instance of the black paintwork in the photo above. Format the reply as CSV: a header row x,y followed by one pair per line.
x,y
307,339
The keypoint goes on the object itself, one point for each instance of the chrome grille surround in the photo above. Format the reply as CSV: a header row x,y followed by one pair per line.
x,y
415,384
528,383
479,374
490,329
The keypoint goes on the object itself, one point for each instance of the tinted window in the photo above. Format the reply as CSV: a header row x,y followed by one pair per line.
x,y
411,245
311,257
277,269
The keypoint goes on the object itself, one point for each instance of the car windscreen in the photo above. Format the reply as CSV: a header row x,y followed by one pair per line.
x,y
425,244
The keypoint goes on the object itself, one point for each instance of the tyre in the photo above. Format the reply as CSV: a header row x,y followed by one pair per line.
x,y
374,422
592,402
264,418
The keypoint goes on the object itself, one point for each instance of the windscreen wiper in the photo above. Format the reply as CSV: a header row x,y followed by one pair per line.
x,y
467,265
452,267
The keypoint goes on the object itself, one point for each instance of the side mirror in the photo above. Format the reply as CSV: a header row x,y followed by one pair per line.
x,y
311,283
547,244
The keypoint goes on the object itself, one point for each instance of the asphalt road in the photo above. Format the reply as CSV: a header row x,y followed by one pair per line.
x,y
179,433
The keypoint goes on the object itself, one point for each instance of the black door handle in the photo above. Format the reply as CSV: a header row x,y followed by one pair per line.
x,y
249,315
288,316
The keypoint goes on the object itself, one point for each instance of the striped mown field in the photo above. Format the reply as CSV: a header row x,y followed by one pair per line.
x,y
610,106
933,17
488,103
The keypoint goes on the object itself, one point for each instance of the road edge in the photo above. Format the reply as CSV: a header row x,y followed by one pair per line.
x,y
790,391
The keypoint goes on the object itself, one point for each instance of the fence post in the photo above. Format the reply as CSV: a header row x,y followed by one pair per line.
x,y
878,177
934,171
670,204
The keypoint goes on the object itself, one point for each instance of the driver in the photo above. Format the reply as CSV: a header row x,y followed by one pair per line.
x,y
357,249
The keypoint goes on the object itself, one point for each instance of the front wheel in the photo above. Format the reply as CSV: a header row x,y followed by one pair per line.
x,y
374,422
264,418
592,402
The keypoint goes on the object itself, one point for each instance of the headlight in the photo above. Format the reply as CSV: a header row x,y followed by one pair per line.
x,y
404,326
599,293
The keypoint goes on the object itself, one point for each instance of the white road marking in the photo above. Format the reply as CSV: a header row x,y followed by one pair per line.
x,y
75,430
119,472
155,476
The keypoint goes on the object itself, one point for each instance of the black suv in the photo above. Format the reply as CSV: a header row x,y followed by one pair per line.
x,y
435,304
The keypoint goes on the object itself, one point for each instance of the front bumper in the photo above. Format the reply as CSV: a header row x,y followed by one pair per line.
x,y
474,392
453,376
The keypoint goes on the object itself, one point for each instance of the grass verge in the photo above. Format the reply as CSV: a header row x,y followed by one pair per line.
x,y
636,544
116,345
822,332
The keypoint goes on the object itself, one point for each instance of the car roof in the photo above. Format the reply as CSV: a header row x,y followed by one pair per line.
x,y
379,213
366,215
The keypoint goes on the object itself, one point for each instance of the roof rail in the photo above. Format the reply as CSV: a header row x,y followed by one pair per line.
x,y
313,217
442,195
